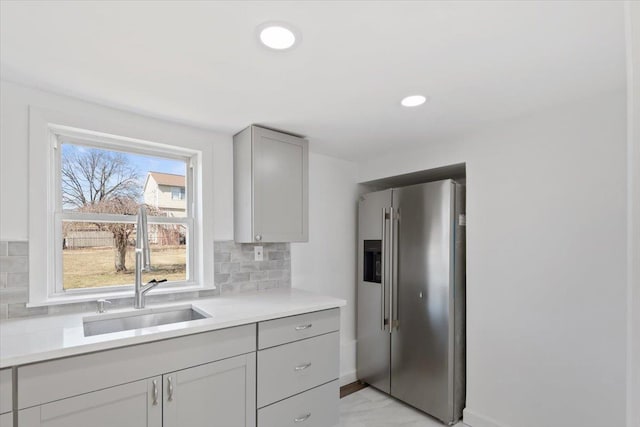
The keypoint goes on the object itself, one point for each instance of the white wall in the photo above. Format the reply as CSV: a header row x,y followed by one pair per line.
x,y
546,218
14,150
326,264
633,142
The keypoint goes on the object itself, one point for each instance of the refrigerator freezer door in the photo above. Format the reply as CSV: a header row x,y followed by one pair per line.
x,y
421,344
374,342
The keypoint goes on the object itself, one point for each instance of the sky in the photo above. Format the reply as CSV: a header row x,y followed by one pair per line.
x,y
144,164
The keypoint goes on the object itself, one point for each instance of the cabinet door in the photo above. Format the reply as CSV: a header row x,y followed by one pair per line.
x,y
6,420
216,394
280,185
136,404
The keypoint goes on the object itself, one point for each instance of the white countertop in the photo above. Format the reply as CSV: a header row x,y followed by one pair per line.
x,y
37,339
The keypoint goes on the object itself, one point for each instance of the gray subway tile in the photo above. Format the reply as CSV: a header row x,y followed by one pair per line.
x,y
223,245
3,280
14,264
246,267
239,277
229,267
259,275
21,310
13,295
277,274
233,288
239,255
275,255
17,279
3,247
18,249
78,307
209,293
4,314
221,257
220,278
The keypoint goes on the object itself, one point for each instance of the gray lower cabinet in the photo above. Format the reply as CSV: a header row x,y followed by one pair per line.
x,y
136,404
205,379
6,398
6,420
220,393
298,370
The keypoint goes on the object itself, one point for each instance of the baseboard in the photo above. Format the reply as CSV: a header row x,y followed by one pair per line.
x,y
473,419
347,377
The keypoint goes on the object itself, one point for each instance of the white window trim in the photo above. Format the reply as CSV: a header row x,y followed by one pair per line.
x,y
44,129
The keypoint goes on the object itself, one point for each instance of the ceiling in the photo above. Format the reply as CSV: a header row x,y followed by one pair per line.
x,y
200,63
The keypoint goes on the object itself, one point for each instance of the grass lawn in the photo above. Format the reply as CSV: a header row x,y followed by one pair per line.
x,y
94,267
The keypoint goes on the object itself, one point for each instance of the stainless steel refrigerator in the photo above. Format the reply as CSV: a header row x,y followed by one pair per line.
x,y
411,295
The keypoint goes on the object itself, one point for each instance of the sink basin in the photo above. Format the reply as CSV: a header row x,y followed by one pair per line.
x,y
98,325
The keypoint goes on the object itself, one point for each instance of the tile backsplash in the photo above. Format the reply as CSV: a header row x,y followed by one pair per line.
x,y
234,266
236,271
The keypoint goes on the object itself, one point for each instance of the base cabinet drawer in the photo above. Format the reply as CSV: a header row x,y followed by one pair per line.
x,y
293,368
294,328
317,407
6,420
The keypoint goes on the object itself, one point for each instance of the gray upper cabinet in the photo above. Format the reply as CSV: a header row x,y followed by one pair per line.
x,y
271,173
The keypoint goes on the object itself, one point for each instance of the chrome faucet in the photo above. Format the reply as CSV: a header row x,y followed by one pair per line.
x,y
143,259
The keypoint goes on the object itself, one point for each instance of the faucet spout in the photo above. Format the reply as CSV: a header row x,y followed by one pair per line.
x,y
143,258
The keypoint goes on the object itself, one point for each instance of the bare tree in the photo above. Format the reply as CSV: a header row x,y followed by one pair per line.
x,y
102,181
91,176
121,231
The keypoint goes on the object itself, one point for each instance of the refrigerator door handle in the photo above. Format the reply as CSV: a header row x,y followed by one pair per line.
x,y
383,269
393,246
391,271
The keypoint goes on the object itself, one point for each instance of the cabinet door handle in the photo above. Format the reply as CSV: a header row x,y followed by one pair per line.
x,y
169,389
155,392
258,237
302,367
303,327
302,418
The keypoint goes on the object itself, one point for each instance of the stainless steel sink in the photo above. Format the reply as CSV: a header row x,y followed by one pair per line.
x,y
97,325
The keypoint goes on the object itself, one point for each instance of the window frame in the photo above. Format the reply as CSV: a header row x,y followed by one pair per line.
x,y
44,129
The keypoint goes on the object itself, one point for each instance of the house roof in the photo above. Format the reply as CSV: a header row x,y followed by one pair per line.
x,y
168,179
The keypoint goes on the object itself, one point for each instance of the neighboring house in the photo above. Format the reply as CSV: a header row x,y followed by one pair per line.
x,y
166,192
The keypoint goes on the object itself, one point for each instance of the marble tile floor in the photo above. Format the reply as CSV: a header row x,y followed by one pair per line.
x,y
371,408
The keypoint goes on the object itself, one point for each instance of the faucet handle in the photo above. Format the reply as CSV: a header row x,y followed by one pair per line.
x,y
101,303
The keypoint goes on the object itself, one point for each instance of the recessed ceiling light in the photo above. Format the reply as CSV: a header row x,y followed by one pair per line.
x,y
277,37
413,100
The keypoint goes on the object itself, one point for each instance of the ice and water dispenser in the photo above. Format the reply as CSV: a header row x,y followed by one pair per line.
x,y
372,261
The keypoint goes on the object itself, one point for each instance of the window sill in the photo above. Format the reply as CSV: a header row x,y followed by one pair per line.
x,y
114,295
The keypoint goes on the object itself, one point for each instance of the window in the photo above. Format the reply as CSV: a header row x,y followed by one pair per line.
x,y
177,193
99,189
74,246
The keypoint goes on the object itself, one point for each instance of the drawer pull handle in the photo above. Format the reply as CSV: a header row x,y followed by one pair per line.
x,y
303,327
302,367
155,392
302,418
